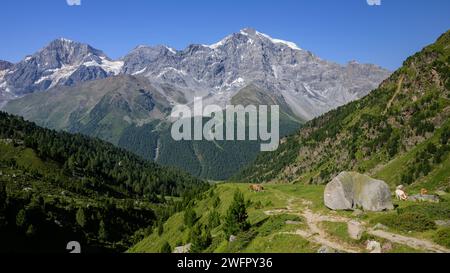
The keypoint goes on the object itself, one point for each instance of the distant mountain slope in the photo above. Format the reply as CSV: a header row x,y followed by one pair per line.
x,y
103,108
130,112
56,187
399,132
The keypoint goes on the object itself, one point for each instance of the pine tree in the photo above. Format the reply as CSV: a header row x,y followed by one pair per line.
x,y
160,228
21,218
200,238
166,248
190,217
214,219
236,219
81,217
3,197
31,231
102,231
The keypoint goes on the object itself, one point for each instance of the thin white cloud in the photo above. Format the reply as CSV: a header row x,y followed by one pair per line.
x,y
374,2
73,2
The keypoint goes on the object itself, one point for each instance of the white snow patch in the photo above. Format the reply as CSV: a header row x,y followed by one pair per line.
x,y
112,66
278,41
220,43
168,69
171,50
139,72
109,66
58,74
236,83
243,32
65,40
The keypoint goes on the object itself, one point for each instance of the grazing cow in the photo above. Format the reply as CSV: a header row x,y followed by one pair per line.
x,y
256,188
401,194
423,192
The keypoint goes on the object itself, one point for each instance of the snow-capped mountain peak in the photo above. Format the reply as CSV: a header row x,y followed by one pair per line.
x,y
309,85
61,62
253,35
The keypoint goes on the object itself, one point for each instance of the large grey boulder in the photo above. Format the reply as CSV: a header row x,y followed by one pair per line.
x,y
351,190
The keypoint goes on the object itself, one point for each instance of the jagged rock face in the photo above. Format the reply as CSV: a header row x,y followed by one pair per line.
x,y
350,191
5,65
310,86
62,62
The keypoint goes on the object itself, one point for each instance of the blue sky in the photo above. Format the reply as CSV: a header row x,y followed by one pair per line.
x,y
337,30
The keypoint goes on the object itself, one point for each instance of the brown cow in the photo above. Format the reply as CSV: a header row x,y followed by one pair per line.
x,y
256,188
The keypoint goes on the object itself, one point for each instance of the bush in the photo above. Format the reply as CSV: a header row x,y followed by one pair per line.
x,y
435,211
442,237
166,248
275,223
200,238
214,219
190,217
408,221
236,218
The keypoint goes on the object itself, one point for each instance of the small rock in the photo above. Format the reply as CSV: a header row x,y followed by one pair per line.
x,y
326,249
424,198
442,223
355,230
289,222
440,193
387,247
373,247
380,226
183,249
358,213
232,238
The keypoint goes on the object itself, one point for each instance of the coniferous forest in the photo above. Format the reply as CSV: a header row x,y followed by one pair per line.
x,y
57,187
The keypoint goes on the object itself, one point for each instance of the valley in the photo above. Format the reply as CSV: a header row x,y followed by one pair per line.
x,y
88,155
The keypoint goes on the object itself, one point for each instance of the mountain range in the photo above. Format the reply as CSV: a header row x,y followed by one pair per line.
x,y
72,86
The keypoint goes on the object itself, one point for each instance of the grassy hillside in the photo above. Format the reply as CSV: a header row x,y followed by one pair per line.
x,y
291,218
399,132
56,187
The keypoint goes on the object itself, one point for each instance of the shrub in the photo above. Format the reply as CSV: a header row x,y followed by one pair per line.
x,y
166,248
408,221
190,217
442,237
434,211
275,223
